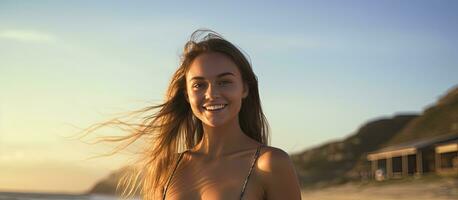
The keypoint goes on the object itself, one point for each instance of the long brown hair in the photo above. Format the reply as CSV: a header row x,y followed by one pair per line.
x,y
173,127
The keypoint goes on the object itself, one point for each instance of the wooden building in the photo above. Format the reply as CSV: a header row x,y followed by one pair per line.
x,y
437,154
447,157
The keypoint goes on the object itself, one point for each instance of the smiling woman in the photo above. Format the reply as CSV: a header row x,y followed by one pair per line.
x,y
213,112
215,93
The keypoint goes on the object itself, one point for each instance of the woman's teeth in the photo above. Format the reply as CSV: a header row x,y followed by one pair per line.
x,y
215,107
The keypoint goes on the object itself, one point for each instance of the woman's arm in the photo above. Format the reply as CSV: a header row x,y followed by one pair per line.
x,y
278,175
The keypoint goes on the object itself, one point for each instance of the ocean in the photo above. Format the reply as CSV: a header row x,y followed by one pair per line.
x,y
44,196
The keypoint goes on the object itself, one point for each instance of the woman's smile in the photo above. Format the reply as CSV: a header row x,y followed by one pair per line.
x,y
214,108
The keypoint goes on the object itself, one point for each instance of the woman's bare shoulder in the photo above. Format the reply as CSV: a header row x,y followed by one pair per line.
x,y
278,174
272,157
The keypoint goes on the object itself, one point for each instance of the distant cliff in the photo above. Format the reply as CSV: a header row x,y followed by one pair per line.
x,y
341,161
108,185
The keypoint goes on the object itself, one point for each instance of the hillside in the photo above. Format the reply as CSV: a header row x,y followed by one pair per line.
x,y
439,119
108,184
345,160
329,163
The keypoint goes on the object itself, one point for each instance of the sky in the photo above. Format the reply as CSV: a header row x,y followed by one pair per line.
x,y
325,68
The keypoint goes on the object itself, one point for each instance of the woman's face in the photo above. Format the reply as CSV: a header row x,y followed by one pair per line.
x,y
215,89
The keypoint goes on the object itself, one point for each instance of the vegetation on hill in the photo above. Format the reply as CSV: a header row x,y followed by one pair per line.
x,y
330,163
342,161
439,119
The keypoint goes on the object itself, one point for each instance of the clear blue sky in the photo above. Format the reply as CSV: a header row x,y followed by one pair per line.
x,y
324,67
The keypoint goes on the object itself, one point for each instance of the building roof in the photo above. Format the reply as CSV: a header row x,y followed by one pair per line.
x,y
411,147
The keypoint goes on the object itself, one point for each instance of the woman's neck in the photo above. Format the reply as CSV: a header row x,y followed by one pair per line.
x,y
222,140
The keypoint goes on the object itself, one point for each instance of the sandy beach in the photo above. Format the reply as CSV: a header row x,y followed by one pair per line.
x,y
444,189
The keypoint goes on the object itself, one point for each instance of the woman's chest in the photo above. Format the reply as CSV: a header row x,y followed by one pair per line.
x,y
222,180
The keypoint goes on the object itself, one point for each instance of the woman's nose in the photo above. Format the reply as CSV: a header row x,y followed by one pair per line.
x,y
212,92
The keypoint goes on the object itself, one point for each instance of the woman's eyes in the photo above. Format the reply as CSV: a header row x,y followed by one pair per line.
x,y
197,85
219,83
223,82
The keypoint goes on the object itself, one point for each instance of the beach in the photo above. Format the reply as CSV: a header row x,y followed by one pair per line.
x,y
423,189
444,189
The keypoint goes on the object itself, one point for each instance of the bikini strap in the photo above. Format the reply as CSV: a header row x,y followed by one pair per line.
x,y
255,158
171,175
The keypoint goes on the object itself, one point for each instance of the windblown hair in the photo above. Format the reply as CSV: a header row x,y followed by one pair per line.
x,y
173,127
